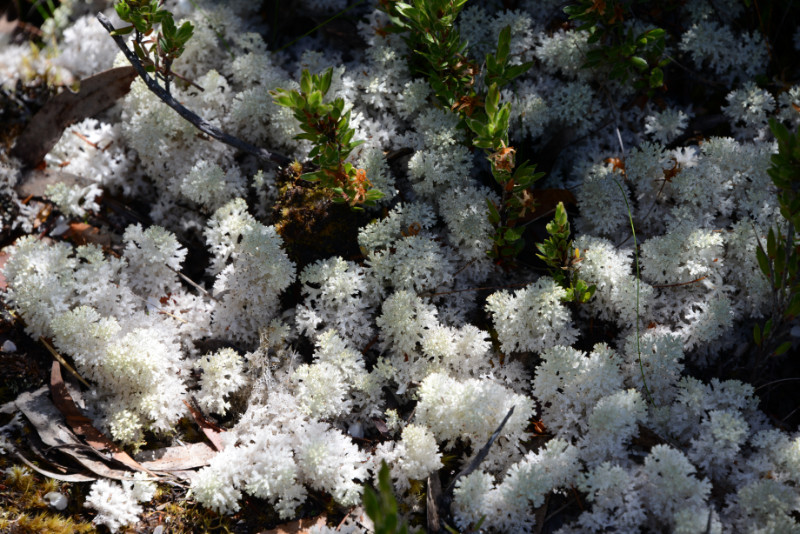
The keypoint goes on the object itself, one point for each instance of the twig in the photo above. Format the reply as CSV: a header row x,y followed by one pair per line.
x,y
772,383
481,456
198,122
63,362
318,26
679,284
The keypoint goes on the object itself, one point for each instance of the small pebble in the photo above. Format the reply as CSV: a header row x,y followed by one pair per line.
x,y
60,229
8,346
356,430
159,529
56,500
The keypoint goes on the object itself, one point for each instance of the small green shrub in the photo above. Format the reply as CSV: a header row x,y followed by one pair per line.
x,y
327,126
381,507
779,262
156,54
561,258
626,55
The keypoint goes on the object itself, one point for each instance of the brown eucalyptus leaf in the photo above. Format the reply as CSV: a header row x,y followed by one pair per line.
x,y
53,431
300,526
3,260
83,233
177,458
96,93
210,430
35,181
82,425
75,477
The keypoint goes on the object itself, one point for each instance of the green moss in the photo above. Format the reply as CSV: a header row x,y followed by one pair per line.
x,y
23,509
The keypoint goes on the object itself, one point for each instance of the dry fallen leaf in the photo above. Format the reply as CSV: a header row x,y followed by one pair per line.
x,y
3,260
35,181
96,93
83,233
300,526
74,477
177,458
82,425
49,423
211,430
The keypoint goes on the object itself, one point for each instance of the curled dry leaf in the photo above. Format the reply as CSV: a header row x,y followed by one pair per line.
x,y
210,430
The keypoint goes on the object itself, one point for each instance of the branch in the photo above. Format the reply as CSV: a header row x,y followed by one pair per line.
x,y
187,114
481,456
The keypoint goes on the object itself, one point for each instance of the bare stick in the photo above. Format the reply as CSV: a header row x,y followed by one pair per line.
x,y
187,114
481,456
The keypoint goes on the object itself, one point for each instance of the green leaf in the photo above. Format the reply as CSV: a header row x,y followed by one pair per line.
x,y
494,215
757,334
371,502
513,234
638,62
124,11
503,45
305,82
476,125
793,310
492,101
780,132
508,252
517,70
374,194
168,27
783,348
314,99
123,31
656,78
763,262
185,32
771,244
325,81
313,176
590,293
282,99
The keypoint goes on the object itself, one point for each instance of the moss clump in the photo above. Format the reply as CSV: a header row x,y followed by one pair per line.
x,y
312,226
23,509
